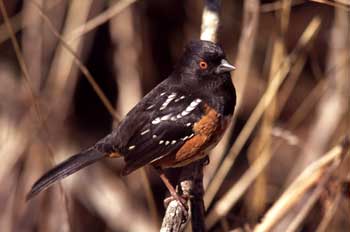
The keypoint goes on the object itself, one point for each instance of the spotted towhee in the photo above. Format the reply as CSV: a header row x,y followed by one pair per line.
x,y
173,125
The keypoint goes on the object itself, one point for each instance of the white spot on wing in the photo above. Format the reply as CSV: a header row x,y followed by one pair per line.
x,y
145,132
161,141
156,121
167,101
131,147
154,136
184,138
158,158
173,142
150,107
194,104
188,124
167,142
184,113
165,117
189,108
180,98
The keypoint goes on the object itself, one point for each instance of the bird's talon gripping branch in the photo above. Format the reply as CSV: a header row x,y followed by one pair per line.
x,y
206,161
182,200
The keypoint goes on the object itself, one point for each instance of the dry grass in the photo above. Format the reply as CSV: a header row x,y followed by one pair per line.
x,y
67,68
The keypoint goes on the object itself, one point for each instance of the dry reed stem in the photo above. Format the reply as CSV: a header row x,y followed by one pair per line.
x,y
151,202
267,97
106,195
127,43
331,108
13,144
210,20
307,105
110,199
99,20
62,75
311,201
81,66
240,76
6,221
288,87
307,179
33,97
328,216
261,146
343,5
222,207
278,5
25,72
32,43
18,24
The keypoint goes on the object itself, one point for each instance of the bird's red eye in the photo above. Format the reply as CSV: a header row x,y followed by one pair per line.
x,y
203,65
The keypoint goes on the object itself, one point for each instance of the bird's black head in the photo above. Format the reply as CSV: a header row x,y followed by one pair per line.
x,y
203,60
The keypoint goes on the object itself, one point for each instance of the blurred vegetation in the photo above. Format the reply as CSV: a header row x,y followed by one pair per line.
x,y
293,85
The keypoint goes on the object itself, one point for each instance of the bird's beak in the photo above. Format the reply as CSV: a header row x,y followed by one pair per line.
x,y
224,67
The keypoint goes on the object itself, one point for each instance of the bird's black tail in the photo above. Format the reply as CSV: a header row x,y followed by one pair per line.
x,y
64,169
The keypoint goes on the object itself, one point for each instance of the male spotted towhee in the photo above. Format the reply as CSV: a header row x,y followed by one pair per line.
x,y
173,125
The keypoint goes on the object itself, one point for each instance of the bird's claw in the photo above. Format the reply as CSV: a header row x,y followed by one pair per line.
x,y
182,200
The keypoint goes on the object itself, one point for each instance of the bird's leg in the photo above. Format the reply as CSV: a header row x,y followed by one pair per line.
x,y
174,195
206,160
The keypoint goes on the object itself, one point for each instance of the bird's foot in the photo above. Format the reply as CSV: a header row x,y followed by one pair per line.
x,y
206,161
182,200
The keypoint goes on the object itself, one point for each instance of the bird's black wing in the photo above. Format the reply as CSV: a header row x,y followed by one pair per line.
x,y
157,126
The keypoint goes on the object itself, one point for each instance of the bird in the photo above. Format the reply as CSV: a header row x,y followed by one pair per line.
x,y
175,124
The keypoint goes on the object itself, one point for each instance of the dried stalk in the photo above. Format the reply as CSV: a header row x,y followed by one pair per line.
x,y
307,206
307,179
266,99
79,63
111,200
18,24
240,77
125,40
331,108
62,76
100,19
32,43
33,96
322,227
236,191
